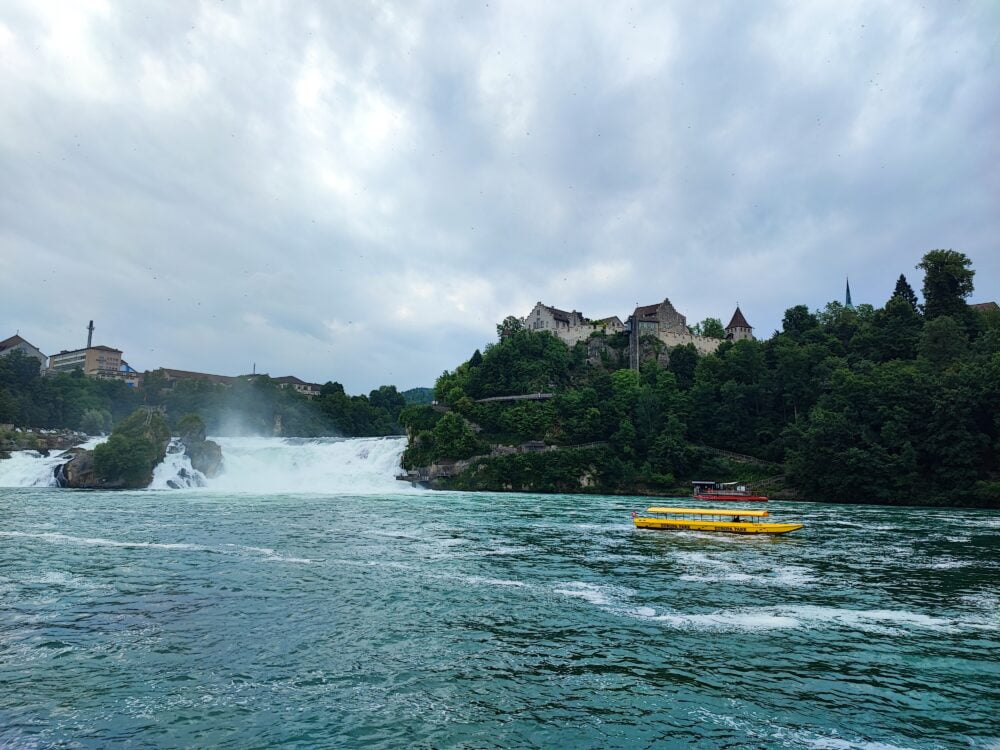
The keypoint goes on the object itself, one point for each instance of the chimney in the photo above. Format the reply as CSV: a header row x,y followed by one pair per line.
x,y
90,334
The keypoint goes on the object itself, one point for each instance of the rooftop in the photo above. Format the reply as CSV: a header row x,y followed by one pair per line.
x,y
14,341
86,348
738,320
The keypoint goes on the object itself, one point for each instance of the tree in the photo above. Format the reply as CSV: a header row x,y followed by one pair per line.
x,y
710,328
191,429
943,341
453,438
96,421
947,283
683,361
509,326
905,292
798,320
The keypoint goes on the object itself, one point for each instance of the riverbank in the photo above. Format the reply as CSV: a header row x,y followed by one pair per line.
x,y
37,439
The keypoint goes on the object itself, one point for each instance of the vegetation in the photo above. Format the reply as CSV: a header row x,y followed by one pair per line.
x,y
249,406
137,444
899,404
419,395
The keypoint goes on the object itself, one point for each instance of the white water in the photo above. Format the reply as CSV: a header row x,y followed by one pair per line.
x,y
32,469
175,471
355,466
29,469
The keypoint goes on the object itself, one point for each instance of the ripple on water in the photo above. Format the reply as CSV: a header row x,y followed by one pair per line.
x,y
290,621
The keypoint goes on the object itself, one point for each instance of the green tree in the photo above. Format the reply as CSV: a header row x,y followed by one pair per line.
x,y
947,283
508,327
711,328
96,421
904,292
798,321
453,438
683,361
136,445
943,341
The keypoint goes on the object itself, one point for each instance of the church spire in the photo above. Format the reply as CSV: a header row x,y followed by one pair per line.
x,y
847,299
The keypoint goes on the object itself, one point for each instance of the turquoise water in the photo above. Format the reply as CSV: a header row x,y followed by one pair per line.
x,y
179,619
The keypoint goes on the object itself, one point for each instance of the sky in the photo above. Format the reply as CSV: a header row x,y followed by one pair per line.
x,y
359,191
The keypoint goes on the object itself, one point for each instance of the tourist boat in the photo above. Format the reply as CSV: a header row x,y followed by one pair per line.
x,y
710,519
735,491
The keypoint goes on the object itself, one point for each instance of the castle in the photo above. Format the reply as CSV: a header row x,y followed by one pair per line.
x,y
662,321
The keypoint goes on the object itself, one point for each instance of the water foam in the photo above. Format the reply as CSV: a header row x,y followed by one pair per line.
x,y
29,469
175,471
356,466
350,466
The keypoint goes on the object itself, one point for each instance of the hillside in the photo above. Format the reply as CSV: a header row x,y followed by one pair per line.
x,y
899,404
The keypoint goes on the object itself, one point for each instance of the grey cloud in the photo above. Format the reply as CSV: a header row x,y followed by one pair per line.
x,y
359,192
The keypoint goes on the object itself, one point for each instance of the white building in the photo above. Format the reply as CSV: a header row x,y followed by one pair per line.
x,y
17,344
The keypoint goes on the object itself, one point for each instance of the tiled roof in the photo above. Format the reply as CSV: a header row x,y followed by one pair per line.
x,y
646,311
12,341
738,320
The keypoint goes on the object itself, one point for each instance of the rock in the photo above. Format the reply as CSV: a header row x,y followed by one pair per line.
x,y
206,457
78,473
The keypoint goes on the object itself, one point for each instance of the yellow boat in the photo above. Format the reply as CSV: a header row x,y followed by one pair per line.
x,y
729,521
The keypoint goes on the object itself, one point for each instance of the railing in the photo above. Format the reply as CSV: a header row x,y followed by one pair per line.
x,y
524,397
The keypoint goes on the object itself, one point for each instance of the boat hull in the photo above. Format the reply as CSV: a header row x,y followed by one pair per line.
x,y
727,527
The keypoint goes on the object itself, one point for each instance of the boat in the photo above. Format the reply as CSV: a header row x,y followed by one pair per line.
x,y
739,521
725,491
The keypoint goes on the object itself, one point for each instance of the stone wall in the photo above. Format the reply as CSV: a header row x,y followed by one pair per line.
x,y
703,344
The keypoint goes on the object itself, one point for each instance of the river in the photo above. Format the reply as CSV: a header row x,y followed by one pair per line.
x,y
244,615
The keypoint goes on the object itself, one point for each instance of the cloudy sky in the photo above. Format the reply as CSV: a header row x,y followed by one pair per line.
x,y
360,191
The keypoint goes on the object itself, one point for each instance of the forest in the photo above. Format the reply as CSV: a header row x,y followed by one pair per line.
x,y
897,404
251,406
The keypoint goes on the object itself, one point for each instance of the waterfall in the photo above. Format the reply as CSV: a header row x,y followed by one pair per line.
x,y
29,469
175,471
32,469
327,465
356,466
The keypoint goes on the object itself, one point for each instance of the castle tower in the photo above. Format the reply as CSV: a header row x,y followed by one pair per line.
x,y
738,328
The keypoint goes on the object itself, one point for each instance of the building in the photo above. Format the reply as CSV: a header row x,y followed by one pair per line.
x,y
660,321
306,389
17,344
663,322
552,319
983,307
569,326
129,376
738,328
95,361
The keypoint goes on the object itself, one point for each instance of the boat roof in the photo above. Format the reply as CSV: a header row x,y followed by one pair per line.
x,y
710,512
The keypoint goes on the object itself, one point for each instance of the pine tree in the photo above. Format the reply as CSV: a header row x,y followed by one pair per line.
x,y
905,292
